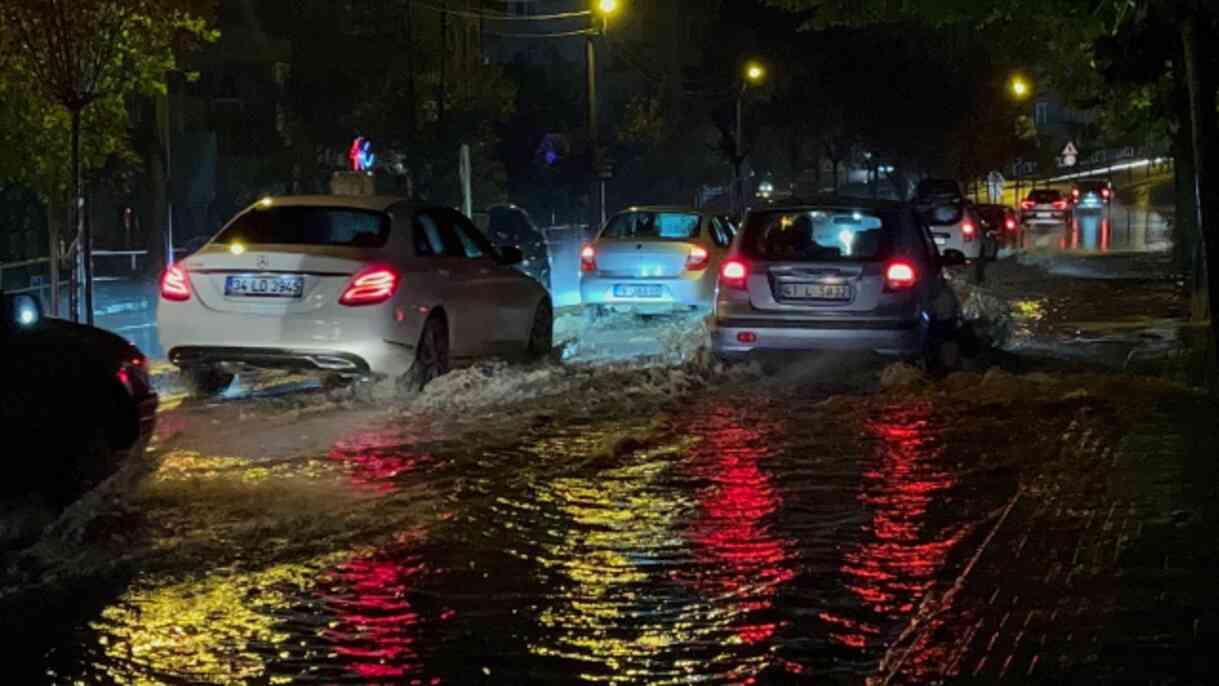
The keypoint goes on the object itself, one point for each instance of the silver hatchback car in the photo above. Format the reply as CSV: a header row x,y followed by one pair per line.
x,y
654,259
845,275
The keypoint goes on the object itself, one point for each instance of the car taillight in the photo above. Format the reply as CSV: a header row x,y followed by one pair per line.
x,y
697,259
588,259
1104,193
968,231
900,275
175,285
1075,192
1028,204
734,274
1010,224
370,286
1060,204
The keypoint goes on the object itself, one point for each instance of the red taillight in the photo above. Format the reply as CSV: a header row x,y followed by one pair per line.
x,y
1010,224
175,285
370,286
734,274
697,259
588,259
1060,204
900,275
1075,192
1028,204
747,337
968,231
1104,193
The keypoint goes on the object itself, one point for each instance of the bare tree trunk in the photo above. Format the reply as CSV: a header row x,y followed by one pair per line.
x,y
83,230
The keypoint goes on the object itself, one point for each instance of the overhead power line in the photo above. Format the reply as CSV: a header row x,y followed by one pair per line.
x,y
496,16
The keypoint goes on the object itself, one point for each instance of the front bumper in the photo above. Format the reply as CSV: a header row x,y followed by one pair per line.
x,y
898,338
271,358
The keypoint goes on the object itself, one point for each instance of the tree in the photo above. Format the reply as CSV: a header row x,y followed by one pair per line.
x,y
75,53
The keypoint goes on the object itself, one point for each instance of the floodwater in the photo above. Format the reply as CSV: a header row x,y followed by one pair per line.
x,y
747,535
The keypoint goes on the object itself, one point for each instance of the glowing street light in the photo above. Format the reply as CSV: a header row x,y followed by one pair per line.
x,y
607,7
1020,87
754,73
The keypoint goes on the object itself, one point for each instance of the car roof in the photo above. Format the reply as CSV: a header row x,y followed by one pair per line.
x,y
375,203
663,208
834,202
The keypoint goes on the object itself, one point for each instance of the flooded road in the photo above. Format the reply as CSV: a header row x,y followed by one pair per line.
x,y
744,533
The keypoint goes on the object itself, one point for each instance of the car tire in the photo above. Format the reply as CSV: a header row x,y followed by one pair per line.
x,y
431,357
541,333
205,382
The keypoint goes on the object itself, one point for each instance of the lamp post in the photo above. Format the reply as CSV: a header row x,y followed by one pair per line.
x,y
754,74
599,22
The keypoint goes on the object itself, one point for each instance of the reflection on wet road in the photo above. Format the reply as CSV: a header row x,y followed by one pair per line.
x,y
745,537
1120,228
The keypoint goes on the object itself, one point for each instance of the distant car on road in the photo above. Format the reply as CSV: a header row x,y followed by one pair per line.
x,y
511,225
653,260
354,287
80,394
1045,206
1092,195
931,191
839,274
1000,223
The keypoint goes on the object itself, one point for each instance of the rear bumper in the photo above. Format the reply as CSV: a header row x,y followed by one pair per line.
x,y
271,358
900,338
1055,216
692,292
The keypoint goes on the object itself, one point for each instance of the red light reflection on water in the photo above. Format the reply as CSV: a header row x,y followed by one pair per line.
x,y
743,562
375,626
377,458
901,554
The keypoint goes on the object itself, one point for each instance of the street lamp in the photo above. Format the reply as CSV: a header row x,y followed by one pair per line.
x,y
602,10
754,74
1020,87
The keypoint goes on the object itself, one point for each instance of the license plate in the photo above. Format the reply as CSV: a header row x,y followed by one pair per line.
x,y
629,291
265,286
1044,215
816,291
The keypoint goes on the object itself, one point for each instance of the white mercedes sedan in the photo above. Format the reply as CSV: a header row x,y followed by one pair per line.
x,y
352,287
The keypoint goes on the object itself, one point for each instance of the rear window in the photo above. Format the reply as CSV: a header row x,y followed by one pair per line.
x,y
819,235
665,226
938,187
301,225
1045,196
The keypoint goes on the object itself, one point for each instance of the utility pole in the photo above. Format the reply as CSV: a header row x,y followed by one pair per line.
x,y
595,211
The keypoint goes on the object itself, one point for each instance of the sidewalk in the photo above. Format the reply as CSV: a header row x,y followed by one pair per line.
x,y
1103,570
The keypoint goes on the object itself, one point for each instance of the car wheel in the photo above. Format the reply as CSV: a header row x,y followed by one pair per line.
x,y
541,334
431,357
204,382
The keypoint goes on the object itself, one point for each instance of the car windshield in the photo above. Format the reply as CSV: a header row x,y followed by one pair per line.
x,y
1092,186
1045,196
308,225
665,226
938,187
819,235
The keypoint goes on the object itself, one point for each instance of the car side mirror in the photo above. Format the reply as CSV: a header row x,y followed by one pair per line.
x,y
510,255
952,258
22,310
